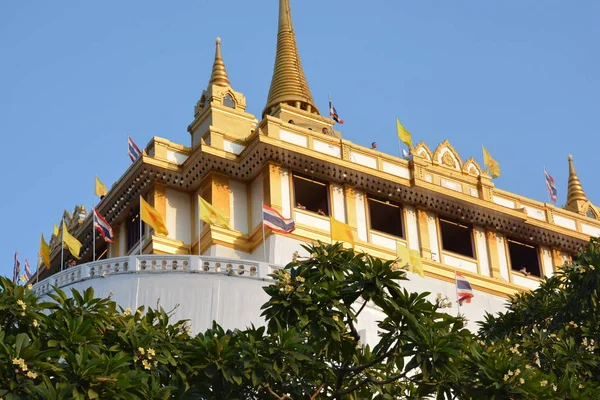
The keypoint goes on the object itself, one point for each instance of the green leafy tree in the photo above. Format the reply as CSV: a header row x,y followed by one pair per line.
x,y
78,346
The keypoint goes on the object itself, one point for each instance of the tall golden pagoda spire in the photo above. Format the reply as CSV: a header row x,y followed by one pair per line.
x,y
575,196
288,84
219,74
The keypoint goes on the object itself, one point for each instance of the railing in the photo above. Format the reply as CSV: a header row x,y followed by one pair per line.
x,y
154,264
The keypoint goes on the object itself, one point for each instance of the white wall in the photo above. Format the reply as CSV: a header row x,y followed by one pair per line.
x,y
412,229
361,215
179,221
338,203
235,301
238,206
432,228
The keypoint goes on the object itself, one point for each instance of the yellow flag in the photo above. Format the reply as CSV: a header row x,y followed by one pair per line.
x,y
55,231
404,134
152,217
211,215
416,263
45,252
73,244
341,232
403,254
492,164
100,188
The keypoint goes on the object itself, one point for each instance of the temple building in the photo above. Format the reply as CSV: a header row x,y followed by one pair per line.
x,y
293,159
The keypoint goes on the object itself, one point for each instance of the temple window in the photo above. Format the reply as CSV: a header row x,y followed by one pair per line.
x,y
386,217
311,195
457,237
524,257
228,101
590,213
133,228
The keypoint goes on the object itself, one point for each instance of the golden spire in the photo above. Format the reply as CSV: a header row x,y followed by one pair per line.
x,y
575,196
219,74
288,84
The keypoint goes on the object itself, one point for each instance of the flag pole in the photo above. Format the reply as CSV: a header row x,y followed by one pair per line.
x,y
140,216
547,191
199,227
62,244
457,298
94,227
262,203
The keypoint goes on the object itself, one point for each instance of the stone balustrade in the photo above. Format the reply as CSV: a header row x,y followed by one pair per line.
x,y
156,264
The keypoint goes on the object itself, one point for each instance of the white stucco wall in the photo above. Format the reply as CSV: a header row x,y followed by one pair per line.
x,y
235,301
361,215
338,204
179,219
238,206
412,228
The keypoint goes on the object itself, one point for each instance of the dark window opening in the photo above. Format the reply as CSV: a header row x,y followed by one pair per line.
x,y
311,195
133,228
228,101
457,237
590,213
524,258
386,217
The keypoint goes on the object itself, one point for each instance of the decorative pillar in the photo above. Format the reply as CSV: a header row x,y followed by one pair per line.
x,y
350,201
215,190
272,186
557,260
494,259
423,233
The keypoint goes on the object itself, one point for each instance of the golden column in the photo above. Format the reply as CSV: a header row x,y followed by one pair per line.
x,y
494,258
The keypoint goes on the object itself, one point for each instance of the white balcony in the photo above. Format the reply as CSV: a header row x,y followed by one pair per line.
x,y
156,264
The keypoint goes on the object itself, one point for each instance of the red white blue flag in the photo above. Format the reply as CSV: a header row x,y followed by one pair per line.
x,y
276,222
102,226
463,288
334,114
16,267
28,274
134,151
553,193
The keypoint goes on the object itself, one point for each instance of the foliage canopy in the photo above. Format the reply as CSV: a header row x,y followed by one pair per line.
x,y
81,347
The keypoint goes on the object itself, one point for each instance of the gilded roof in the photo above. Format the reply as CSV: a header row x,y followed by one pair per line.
x,y
288,84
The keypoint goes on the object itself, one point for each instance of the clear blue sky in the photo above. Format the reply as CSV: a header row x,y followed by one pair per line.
x,y
76,77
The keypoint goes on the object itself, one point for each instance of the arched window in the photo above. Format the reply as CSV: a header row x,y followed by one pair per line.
x,y
228,101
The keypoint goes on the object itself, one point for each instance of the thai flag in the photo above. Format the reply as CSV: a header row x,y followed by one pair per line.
x,y
102,226
551,186
134,151
275,221
28,274
334,114
463,288
17,267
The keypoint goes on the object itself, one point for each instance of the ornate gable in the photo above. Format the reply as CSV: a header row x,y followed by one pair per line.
x,y
446,156
423,151
471,167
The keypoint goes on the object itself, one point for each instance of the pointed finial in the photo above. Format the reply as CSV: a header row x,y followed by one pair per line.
x,y
575,196
288,84
219,74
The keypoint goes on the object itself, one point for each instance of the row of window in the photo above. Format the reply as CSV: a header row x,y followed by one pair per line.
x,y
386,216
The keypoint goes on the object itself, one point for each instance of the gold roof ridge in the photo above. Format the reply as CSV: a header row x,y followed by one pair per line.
x,y
219,73
288,84
575,195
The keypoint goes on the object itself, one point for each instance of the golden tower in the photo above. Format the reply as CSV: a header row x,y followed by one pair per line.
x,y
288,84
